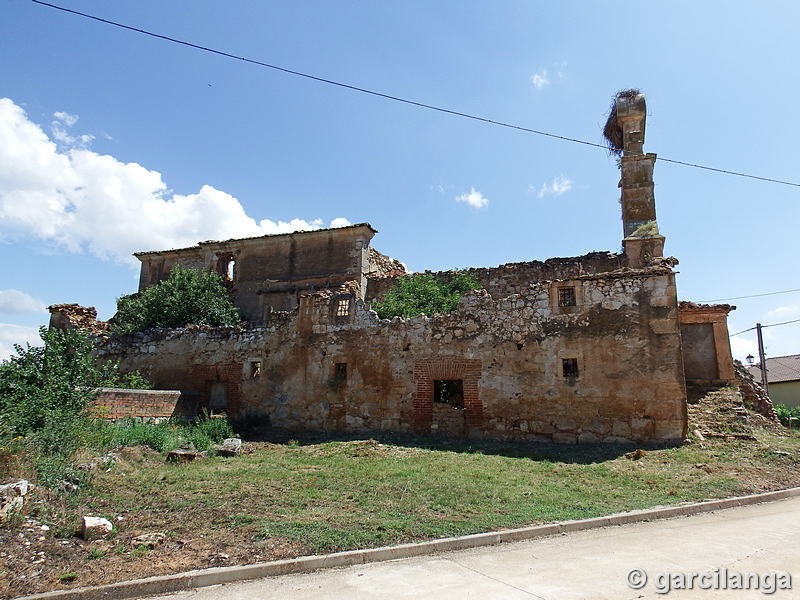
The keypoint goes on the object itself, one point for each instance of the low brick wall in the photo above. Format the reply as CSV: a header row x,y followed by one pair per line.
x,y
116,403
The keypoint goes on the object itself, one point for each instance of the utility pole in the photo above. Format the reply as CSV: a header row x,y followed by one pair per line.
x,y
762,360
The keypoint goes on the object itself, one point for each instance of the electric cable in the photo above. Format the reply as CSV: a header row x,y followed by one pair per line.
x,y
395,98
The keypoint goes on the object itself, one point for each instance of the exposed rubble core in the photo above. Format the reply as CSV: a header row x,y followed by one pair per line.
x,y
75,316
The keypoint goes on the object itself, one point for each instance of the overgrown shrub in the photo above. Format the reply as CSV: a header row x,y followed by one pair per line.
x,y
785,413
187,296
425,293
44,393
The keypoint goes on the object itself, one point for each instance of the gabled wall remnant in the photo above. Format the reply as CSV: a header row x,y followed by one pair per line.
x,y
268,273
707,351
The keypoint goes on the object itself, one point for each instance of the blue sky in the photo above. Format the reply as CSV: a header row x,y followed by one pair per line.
x,y
113,142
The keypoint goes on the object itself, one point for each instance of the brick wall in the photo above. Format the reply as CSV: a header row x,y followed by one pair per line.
x,y
115,403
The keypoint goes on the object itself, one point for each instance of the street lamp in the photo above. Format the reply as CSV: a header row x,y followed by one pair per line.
x,y
750,359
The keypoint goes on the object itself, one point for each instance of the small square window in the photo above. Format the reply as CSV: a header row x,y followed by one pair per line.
x,y
449,391
566,296
340,372
255,368
343,307
569,367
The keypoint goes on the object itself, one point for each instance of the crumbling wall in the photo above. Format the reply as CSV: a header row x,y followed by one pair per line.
x,y
606,367
753,395
515,278
75,316
268,273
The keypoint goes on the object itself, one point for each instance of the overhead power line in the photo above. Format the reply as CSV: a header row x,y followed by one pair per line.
x,y
390,97
765,326
751,296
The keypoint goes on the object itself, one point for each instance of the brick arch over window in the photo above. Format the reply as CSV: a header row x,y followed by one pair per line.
x,y
427,371
205,375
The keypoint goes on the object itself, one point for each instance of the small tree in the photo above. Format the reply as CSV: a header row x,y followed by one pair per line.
x,y
44,393
187,296
425,293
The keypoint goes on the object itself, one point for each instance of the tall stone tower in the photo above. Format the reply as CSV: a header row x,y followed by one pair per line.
x,y
625,134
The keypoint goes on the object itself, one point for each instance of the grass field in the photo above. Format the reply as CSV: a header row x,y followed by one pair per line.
x,y
316,494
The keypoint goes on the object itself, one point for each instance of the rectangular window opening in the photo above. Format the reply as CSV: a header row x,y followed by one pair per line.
x,y
343,307
217,397
566,296
449,391
255,368
340,372
569,367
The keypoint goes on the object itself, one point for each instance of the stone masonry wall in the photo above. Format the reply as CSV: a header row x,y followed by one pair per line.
x,y
515,278
607,369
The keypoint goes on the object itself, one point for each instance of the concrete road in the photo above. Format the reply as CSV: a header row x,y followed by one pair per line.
x,y
594,564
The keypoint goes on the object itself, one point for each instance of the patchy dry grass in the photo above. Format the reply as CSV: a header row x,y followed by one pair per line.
x,y
315,495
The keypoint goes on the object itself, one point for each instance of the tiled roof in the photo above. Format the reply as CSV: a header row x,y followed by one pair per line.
x,y
269,235
779,369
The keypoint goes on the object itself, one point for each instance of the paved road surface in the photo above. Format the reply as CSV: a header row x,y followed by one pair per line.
x,y
588,565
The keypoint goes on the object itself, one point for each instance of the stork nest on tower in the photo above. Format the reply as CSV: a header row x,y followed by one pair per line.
x,y
612,131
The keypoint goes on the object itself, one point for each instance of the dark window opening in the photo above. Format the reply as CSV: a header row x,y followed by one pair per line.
x,y
340,372
449,391
566,296
226,267
255,368
570,367
217,397
343,307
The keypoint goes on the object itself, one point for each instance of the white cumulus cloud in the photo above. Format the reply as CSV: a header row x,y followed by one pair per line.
x,y
16,334
14,302
540,79
474,199
784,312
560,185
84,201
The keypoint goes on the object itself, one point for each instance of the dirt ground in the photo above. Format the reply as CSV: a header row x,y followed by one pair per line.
x,y
33,560
36,558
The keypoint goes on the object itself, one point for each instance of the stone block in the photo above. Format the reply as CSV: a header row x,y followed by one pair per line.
x,y
541,427
670,430
12,497
563,424
95,528
621,429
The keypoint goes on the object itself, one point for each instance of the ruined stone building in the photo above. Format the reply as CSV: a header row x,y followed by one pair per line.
x,y
594,348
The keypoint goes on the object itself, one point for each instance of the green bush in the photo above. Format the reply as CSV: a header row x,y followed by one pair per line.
x,y
187,296
44,393
785,413
425,293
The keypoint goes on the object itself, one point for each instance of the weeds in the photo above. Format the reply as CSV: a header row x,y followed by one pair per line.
x,y
140,550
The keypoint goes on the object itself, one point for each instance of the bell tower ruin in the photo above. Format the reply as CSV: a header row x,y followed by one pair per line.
x,y
624,132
